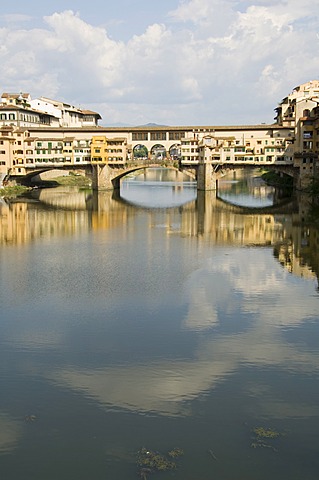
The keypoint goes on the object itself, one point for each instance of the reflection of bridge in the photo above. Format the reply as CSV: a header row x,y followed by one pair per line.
x,y
208,218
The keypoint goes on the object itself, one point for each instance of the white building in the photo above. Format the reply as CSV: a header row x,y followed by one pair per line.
x,y
298,104
66,115
19,110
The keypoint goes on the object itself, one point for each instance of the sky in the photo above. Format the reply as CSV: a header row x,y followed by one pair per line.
x,y
169,62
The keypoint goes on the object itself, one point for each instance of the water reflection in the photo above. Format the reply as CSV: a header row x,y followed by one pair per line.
x,y
166,189
246,188
125,326
231,340
50,213
10,433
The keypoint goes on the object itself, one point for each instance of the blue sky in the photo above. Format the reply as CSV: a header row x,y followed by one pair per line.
x,y
174,62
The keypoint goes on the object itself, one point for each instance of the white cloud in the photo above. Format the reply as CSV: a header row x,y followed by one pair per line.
x,y
15,18
232,63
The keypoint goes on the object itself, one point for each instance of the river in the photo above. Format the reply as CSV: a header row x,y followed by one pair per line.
x,y
159,319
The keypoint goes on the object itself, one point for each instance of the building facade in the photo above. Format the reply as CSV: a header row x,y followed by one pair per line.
x,y
43,132
20,110
300,111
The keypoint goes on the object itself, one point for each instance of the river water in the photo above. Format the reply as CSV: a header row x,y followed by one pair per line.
x,y
157,318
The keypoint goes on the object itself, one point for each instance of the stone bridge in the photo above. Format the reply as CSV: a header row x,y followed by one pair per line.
x,y
109,176
206,173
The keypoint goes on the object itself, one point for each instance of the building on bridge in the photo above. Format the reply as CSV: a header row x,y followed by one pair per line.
x,y
65,136
109,150
251,144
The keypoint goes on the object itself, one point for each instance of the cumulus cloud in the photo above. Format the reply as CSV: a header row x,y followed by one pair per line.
x,y
231,62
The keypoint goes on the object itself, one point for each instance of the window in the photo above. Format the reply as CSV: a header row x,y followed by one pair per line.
x,y
158,135
175,135
307,134
139,136
12,116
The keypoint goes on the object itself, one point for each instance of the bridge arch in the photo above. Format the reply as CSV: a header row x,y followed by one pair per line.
x,y
140,152
158,152
175,151
34,176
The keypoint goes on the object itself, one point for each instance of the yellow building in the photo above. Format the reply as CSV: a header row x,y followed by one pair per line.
x,y
108,150
99,152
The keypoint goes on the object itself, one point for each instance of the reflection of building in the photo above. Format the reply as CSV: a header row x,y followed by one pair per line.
x,y
22,223
208,218
300,252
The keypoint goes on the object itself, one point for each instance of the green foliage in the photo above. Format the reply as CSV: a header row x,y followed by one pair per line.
x,y
73,180
140,152
313,188
272,178
13,191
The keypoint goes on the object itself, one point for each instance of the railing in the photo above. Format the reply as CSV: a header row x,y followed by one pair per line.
x,y
164,162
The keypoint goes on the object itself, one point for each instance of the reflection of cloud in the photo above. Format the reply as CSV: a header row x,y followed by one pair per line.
x,y
280,409
218,292
221,288
254,287
167,387
201,315
10,433
38,340
160,387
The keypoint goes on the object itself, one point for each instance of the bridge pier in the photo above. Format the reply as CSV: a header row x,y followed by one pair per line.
x,y
206,177
103,178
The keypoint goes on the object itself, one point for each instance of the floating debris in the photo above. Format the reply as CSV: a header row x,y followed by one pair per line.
x,y
212,454
261,434
263,445
144,472
176,452
153,461
30,418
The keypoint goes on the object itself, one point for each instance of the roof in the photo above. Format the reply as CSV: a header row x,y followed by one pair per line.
x,y
15,95
24,108
90,112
